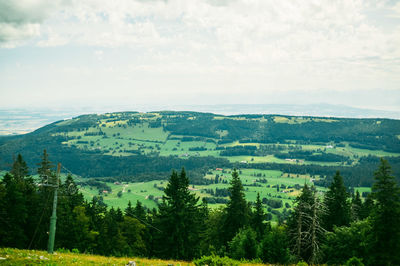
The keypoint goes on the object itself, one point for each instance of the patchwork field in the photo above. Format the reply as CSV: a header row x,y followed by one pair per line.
x,y
278,190
117,136
132,146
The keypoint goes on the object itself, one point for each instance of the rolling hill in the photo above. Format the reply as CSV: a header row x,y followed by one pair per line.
x,y
135,146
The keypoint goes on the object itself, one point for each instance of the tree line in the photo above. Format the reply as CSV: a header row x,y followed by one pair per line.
x,y
333,228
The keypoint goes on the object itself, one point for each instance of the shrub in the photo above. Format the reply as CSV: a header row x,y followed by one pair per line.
x,y
302,263
274,246
75,251
214,260
244,244
63,250
354,261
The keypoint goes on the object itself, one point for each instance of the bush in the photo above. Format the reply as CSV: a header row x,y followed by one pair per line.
x,y
244,245
302,263
75,251
63,250
214,260
354,261
274,246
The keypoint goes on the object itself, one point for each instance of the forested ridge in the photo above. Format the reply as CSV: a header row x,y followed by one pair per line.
x,y
334,227
145,146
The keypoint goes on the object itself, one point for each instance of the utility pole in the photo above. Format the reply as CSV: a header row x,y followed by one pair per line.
x,y
53,218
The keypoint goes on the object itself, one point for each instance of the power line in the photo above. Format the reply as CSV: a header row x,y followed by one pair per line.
x,y
40,221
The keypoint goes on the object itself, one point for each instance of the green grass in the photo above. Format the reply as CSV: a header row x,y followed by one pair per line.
x,y
11,256
365,152
141,190
362,189
123,140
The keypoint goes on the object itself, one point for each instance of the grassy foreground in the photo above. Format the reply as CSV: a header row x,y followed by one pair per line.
x,y
10,256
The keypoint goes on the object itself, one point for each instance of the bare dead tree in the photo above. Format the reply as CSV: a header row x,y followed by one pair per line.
x,y
309,229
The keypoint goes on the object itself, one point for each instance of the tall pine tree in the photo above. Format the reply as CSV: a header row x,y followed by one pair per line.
x,y
386,217
257,219
179,220
337,204
356,206
237,209
20,168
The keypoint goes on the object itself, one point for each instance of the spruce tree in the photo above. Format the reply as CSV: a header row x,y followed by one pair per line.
x,y
129,211
258,218
356,206
69,198
16,213
366,207
140,212
47,177
179,220
337,204
4,220
19,206
386,217
237,209
45,171
19,168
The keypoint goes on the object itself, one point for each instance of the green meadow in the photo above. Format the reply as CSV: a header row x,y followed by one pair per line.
x,y
264,182
118,138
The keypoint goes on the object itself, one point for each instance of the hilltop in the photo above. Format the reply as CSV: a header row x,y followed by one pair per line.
x,y
146,146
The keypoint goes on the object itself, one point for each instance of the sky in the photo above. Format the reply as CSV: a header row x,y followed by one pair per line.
x,y
70,53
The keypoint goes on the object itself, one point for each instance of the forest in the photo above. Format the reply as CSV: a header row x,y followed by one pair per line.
x,y
136,146
335,227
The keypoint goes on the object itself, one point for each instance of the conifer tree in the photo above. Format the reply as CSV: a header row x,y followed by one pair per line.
x,y
132,230
4,221
69,198
179,220
367,207
19,205
356,206
337,204
45,170
258,218
140,212
386,217
129,211
19,168
237,209
16,212
46,192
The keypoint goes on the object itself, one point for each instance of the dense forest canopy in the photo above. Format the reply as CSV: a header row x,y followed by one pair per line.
x,y
334,228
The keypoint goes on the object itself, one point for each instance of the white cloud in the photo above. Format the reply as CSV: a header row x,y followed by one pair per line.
x,y
243,31
20,20
252,45
11,33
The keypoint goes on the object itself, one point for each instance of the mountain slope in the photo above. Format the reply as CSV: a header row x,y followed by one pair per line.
x,y
148,145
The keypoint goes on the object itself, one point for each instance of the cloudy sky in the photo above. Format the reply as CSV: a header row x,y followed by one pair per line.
x,y
94,52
